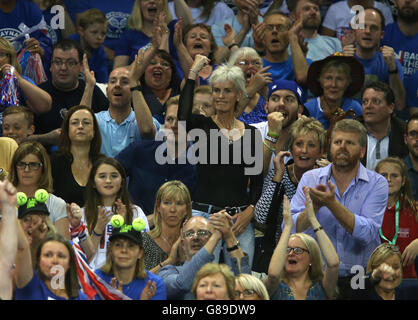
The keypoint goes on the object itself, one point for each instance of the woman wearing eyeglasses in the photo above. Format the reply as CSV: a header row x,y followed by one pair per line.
x,y
256,83
78,149
296,267
31,170
248,287
38,100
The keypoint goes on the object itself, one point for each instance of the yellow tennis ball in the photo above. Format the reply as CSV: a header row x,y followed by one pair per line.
x,y
21,198
41,195
138,224
117,221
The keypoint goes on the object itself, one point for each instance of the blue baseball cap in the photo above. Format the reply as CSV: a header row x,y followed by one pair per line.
x,y
286,85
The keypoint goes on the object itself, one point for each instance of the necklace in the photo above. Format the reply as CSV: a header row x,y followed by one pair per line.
x,y
166,241
294,174
230,138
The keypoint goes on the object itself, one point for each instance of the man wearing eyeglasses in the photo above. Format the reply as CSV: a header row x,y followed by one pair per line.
x,y
279,35
385,131
199,238
65,87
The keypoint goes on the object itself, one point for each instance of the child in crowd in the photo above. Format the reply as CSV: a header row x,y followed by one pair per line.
x,y
18,123
202,101
400,222
92,26
106,195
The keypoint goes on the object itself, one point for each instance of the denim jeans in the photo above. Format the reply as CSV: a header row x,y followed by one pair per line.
x,y
246,240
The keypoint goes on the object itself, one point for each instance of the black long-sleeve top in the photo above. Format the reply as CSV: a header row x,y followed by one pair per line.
x,y
223,184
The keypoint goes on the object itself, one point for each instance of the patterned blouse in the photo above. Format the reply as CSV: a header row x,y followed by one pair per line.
x,y
283,292
266,203
154,255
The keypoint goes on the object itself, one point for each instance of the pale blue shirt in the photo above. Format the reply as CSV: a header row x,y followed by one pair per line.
x,y
219,32
366,197
116,137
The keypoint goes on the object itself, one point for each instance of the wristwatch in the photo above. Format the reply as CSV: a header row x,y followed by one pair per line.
x,y
235,247
138,87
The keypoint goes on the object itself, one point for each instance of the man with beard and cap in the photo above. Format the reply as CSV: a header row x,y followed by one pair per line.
x,y
319,47
349,201
284,106
402,36
198,240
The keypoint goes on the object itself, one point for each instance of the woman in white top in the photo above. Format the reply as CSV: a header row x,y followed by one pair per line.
x,y
106,195
30,170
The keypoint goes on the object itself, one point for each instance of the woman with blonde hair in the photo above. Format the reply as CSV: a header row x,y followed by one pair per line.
x,y
8,147
38,100
173,206
400,222
385,275
214,282
141,24
296,268
248,287
30,170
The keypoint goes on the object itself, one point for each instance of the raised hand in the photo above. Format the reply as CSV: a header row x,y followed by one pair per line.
x,y
178,33
322,197
310,211
349,50
7,194
33,46
229,38
389,56
385,272
174,255
199,63
149,290
259,31
410,253
73,214
348,38
221,221
287,216
88,74
103,218
275,122
113,283
261,78
279,166
136,68
120,208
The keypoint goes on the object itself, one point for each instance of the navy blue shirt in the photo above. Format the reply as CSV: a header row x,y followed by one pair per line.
x,y
146,176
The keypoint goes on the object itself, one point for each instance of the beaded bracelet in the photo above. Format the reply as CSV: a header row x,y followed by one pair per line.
x,y
268,147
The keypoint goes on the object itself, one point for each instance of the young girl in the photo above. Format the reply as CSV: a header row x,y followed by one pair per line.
x,y
400,222
106,195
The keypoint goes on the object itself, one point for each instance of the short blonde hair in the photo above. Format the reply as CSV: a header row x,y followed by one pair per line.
x,y
304,126
248,281
212,269
244,52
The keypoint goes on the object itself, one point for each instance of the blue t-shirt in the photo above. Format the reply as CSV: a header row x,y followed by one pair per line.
x,y
375,69
315,110
132,40
117,14
406,51
97,61
146,176
134,288
283,292
284,70
37,290
24,16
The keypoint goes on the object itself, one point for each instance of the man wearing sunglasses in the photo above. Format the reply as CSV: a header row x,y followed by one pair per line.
x,y
199,238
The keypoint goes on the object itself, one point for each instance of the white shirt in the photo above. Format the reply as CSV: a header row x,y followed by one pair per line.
x,y
374,148
220,12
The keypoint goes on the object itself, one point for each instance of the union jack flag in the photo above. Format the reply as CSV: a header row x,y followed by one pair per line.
x,y
90,282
